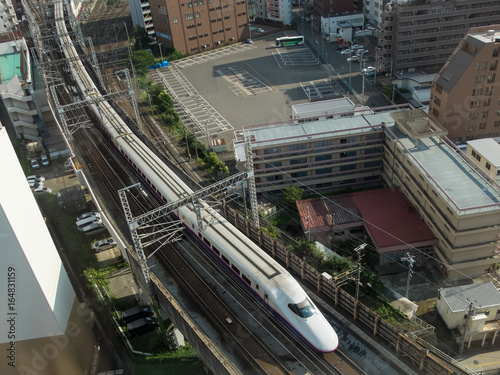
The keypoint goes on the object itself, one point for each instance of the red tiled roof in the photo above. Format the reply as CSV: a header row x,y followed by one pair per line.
x,y
390,219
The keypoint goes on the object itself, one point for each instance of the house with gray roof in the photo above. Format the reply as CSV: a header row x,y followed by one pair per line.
x,y
454,303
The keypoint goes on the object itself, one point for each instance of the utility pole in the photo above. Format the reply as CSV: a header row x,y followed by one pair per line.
x,y
410,259
358,281
470,313
308,224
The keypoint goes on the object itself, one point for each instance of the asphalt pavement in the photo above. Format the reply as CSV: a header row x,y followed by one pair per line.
x,y
366,91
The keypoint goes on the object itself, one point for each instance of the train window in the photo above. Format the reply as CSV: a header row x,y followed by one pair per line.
x,y
224,258
216,251
208,243
304,309
246,279
235,269
257,286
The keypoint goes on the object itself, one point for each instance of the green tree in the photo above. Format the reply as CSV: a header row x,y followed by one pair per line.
x,y
305,249
291,194
141,38
142,60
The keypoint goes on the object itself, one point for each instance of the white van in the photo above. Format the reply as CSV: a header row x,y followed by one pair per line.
x,y
80,224
94,229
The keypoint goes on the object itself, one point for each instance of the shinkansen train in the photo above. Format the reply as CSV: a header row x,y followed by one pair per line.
x,y
263,277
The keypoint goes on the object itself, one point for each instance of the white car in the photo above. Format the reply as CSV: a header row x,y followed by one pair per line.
x,y
361,52
42,189
346,52
368,69
356,46
45,160
88,214
353,59
34,164
36,177
106,244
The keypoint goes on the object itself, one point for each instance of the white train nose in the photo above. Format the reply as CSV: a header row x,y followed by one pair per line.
x,y
330,345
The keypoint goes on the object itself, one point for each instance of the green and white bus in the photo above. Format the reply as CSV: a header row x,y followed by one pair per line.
x,y
289,41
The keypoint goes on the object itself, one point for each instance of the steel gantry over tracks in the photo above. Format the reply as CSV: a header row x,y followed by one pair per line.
x,y
169,233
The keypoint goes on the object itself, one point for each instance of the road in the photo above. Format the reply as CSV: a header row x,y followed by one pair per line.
x,y
371,94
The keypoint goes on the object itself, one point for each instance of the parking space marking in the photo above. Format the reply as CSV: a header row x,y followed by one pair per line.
x,y
193,110
322,89
296,55
246,83
213,55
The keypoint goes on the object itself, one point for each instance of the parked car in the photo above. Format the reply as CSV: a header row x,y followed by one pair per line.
x,y
356,46
94,229
42,189
361,52
105,244
45,160
34,164
141,325
81,224
88,214
368,71
346,52
353,59
137,312
35,184
36,177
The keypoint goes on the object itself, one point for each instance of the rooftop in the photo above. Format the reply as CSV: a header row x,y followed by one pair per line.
x,y
458,183
398,223
489,148
482,295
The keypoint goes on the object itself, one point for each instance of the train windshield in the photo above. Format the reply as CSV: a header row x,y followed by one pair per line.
x,y
304,309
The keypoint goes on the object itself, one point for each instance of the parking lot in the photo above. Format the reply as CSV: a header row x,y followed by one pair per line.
x,y
220,91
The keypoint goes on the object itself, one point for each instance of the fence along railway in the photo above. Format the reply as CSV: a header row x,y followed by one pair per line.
x,y
419,355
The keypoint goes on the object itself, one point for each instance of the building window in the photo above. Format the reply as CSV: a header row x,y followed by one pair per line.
x,y
435,112
486,102
273,150
437,101
190,5
323,157
479,79
493,65
474,104
472,116
297,147
485,114
197,14
478,91
488,166
323,171
481,65
496,124
495,52
298,161
489,90
491,78
471,127
482,125
189,16
439,89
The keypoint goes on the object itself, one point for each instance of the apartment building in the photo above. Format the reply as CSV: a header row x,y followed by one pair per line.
x,y
403,148
458,202
140,10
486,154
45,329
199,25
423,34
465,96
320,156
